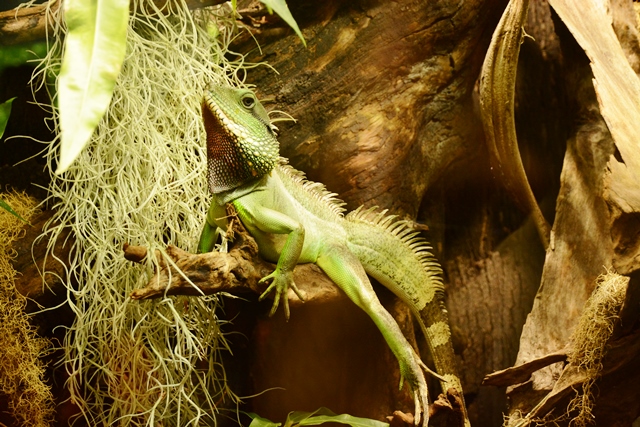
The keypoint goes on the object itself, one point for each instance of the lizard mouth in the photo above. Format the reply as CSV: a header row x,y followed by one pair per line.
x,y
217,133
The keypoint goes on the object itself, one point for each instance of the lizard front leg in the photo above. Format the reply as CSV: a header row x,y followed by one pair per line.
x,y
346,271
266,220
215,222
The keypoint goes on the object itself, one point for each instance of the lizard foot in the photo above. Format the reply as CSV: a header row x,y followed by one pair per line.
x,y
281,284
413,374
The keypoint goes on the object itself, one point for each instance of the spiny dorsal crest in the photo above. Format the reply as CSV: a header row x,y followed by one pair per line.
x,y
406,235
314,189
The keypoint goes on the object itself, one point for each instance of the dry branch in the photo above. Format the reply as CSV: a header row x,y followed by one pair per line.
x,y
621,354
237,272
519,374
23,25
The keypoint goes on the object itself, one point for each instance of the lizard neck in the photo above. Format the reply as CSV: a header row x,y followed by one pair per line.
x,y
228,196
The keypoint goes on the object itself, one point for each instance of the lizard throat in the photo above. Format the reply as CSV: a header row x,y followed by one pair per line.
x,y
234,157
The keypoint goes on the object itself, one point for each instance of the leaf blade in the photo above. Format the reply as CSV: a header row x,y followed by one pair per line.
x,y
4,205
324,415
258,421
5,112
280,7
94,52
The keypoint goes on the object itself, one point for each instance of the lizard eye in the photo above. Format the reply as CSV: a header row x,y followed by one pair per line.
x,y
248,101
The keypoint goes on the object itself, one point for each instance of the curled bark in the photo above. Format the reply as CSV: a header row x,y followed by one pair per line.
x,y
497,102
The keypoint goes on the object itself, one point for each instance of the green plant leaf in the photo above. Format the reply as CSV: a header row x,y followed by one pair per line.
x,y
324,415
94,50
5,112
4,205
258,421
14,56
280,7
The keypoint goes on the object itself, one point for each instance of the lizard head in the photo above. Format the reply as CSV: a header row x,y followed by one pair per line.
x,y
241,142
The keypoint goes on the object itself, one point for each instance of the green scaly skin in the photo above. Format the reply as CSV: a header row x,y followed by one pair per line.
x,y
298,221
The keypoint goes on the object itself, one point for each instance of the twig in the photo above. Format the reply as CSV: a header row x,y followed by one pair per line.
x,y
521,373
26,24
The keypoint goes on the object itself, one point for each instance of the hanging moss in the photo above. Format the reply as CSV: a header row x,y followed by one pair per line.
x,y
142,180
21,369
590,338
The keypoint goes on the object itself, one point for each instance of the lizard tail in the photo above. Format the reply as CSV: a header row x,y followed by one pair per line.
x,y
395,255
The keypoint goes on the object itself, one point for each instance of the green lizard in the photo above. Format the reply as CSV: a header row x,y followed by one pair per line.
x,y
298,221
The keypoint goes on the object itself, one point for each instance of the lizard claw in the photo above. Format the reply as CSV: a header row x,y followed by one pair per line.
x,y
414,376
281,283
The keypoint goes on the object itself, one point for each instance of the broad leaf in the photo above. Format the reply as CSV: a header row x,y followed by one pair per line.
x,y
324,415
280,7
258,421
94,51
8,208
5,112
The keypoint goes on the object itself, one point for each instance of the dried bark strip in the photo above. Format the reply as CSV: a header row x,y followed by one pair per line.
x,y
497,99
618,90
519,374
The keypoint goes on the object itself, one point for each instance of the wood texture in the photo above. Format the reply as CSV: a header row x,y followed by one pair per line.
x,y
29,24
382,95
591,231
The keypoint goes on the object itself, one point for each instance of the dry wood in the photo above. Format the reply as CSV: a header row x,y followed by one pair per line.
x,y
618,90
384,102
382,95
237,272
620,354
26,24
596,217
519,374
497,99
615,82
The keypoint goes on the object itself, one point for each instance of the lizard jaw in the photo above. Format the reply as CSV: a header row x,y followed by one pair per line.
x,y
236,154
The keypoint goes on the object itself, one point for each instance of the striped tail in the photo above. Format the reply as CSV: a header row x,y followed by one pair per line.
x,y
393,253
